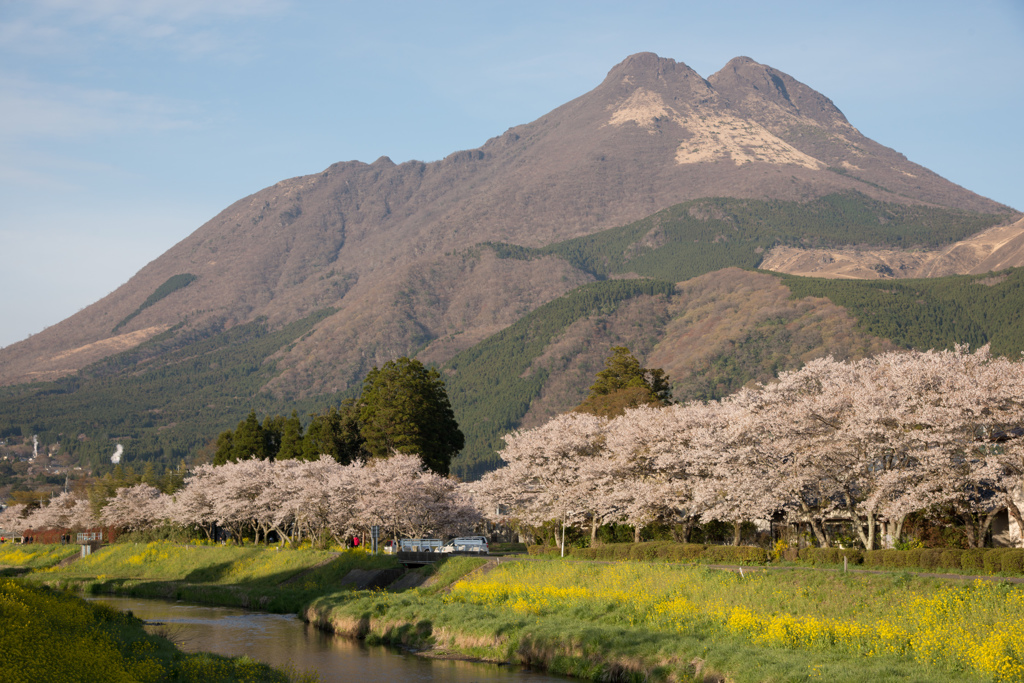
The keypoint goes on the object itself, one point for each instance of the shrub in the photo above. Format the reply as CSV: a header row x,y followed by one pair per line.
x,y
992,562
873,558
643,551
893,558
1013,561
972,559
811,555
756,555
950,558
541,550
930,558
853,555
508,547
913,556
692,552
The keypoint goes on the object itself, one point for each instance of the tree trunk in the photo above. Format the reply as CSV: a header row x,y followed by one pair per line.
x,y
897,535
282,536
563,534
867,537
986,525
976,527
593,530
636,533
687,529
1011,506
819,532
737,533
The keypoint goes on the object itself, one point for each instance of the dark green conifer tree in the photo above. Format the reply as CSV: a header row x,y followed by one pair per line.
x,y
404,407
335,432
291,438
624,384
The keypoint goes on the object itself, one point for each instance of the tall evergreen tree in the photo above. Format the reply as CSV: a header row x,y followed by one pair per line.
x,y
273,432
291,438
335,432
247,441
225,447
623,384
404,407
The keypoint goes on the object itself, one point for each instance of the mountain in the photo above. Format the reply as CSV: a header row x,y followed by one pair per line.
x,y
361,263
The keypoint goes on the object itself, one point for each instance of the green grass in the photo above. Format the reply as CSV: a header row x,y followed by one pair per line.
x,y
51,636
35,556
637,621
444,574
606,620
257,577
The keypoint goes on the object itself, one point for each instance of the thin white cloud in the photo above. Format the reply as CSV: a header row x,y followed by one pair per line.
x,y
172,11
50,110
188,27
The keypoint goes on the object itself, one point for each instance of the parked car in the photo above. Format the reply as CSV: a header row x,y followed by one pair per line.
x,y
467,544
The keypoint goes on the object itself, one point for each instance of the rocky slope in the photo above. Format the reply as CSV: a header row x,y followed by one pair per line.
x,y
994,249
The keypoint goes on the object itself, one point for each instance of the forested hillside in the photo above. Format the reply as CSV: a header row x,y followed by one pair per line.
x,y
162,404
932,313
705,235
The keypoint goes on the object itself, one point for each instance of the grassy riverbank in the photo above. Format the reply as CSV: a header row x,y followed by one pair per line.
x,y
253,577
666,622
51,636
610,620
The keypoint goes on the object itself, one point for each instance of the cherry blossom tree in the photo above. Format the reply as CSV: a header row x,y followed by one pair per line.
x,y
193,504
543,470
236,497
64,511
136,507
12,518
403,497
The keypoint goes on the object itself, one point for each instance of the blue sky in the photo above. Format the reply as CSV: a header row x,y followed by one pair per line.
x,y
126,124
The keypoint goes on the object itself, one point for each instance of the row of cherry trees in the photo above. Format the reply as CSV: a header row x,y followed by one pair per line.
x,y
868,441
319,500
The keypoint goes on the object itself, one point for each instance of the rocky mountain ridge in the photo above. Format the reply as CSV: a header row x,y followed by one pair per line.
x,y
364,238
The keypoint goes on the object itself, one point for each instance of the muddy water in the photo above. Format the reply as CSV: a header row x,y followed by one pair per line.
x,y
281,640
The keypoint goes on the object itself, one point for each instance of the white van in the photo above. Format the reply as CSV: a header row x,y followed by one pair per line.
x,y
467,544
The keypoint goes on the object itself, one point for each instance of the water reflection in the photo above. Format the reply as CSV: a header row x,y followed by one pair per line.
x,y
280,640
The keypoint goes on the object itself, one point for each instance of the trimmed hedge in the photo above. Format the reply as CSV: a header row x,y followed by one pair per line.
x,y
507,548
663,551
818,556
970,561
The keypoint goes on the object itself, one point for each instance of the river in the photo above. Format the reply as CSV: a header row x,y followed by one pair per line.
x,y
280,640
